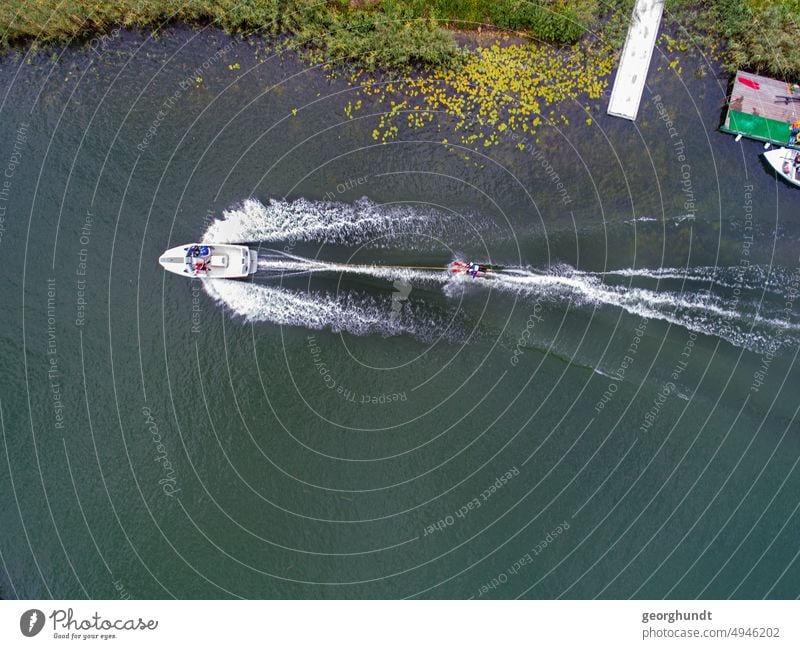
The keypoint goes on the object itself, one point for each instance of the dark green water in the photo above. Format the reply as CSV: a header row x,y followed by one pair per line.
x,y
157,442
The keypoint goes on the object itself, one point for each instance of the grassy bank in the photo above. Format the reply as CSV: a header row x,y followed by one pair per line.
x,y
372,33
756,35
760,35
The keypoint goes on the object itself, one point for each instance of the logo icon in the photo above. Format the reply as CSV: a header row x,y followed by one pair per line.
x,y
31,622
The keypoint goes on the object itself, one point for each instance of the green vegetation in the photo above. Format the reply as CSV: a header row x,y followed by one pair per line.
x,y
760,35
390,39
563,22
371,33
557,21
486,99
756,35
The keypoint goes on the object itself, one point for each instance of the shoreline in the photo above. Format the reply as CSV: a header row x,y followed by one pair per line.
x,y
482,98
393,36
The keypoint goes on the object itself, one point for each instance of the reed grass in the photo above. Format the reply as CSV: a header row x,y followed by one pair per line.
x,y
759,35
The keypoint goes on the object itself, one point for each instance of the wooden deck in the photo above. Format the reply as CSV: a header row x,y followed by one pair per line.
x,y
762,109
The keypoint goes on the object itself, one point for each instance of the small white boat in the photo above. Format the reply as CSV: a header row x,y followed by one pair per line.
x,y
786,163
210,260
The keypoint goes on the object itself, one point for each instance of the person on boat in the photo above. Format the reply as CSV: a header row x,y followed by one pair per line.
x,y
794,130
200,267
202,251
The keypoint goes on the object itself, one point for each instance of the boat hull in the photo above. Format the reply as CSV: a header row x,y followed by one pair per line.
x,y
225,261
782,161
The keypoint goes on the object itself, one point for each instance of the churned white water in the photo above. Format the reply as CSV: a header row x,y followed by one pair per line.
x,y
326,222
260,303
743,319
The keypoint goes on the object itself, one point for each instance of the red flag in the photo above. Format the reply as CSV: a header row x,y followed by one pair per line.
x,y
750,83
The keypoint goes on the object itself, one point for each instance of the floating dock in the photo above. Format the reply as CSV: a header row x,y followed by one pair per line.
x,y
635,62
762,109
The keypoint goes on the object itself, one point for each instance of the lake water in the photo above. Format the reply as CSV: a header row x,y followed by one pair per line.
x,y
615,416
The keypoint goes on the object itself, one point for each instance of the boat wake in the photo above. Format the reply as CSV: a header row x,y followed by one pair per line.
x,y
285,264
743,318
752,278
359,223
350,312
743,306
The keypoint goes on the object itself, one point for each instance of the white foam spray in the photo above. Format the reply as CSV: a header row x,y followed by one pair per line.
x,y
326,222
753,277
348,312
745,320
743,323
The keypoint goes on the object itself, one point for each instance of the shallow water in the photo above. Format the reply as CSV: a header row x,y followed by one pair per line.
x,y
613,417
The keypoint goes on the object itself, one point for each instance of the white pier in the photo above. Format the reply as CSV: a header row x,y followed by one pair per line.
x,y
632,72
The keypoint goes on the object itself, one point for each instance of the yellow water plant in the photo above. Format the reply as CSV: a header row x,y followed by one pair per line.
x,y
493,90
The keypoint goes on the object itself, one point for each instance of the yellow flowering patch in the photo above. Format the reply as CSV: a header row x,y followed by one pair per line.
x,y
495,89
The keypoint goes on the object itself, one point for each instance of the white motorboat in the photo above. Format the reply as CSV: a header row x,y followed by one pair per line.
x,y
786,163
210,260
